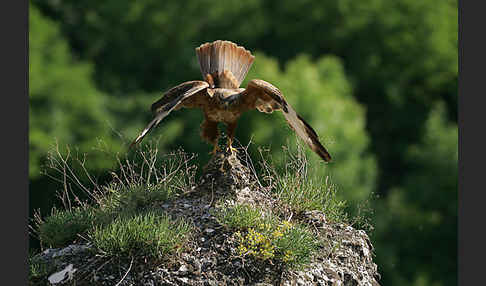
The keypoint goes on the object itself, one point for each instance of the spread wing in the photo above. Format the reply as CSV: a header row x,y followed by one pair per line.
x,y
265,97
171,100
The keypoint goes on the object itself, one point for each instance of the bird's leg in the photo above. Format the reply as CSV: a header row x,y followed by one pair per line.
x,y
230,148
231,133
216,148
210,133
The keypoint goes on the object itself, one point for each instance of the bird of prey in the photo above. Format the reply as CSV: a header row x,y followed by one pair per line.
x,y
224,65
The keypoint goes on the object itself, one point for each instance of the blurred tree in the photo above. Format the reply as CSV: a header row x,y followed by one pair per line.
x,y
148,45
64,105
401,55
416,225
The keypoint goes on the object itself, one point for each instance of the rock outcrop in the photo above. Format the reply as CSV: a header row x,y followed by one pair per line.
x,y
212,258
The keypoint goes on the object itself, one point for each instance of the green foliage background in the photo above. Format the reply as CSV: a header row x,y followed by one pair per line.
x,y
377,79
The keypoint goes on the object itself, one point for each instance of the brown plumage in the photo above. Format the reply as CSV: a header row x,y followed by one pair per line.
x,y
224,66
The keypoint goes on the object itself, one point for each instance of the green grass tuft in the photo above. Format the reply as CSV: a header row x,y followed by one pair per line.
x,y
296,246
135,198
268,237
150,234
62,227
299,189
291,244
306,194
239,216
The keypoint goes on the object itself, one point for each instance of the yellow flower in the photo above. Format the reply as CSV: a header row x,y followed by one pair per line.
x,y
277,233
287,256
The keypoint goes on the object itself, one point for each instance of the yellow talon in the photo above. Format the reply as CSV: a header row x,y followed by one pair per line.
x,y
231,149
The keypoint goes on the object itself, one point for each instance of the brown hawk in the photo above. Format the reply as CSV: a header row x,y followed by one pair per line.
x,y
224,65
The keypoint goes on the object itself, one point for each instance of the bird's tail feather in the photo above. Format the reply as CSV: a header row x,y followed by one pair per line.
x,y
218,56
